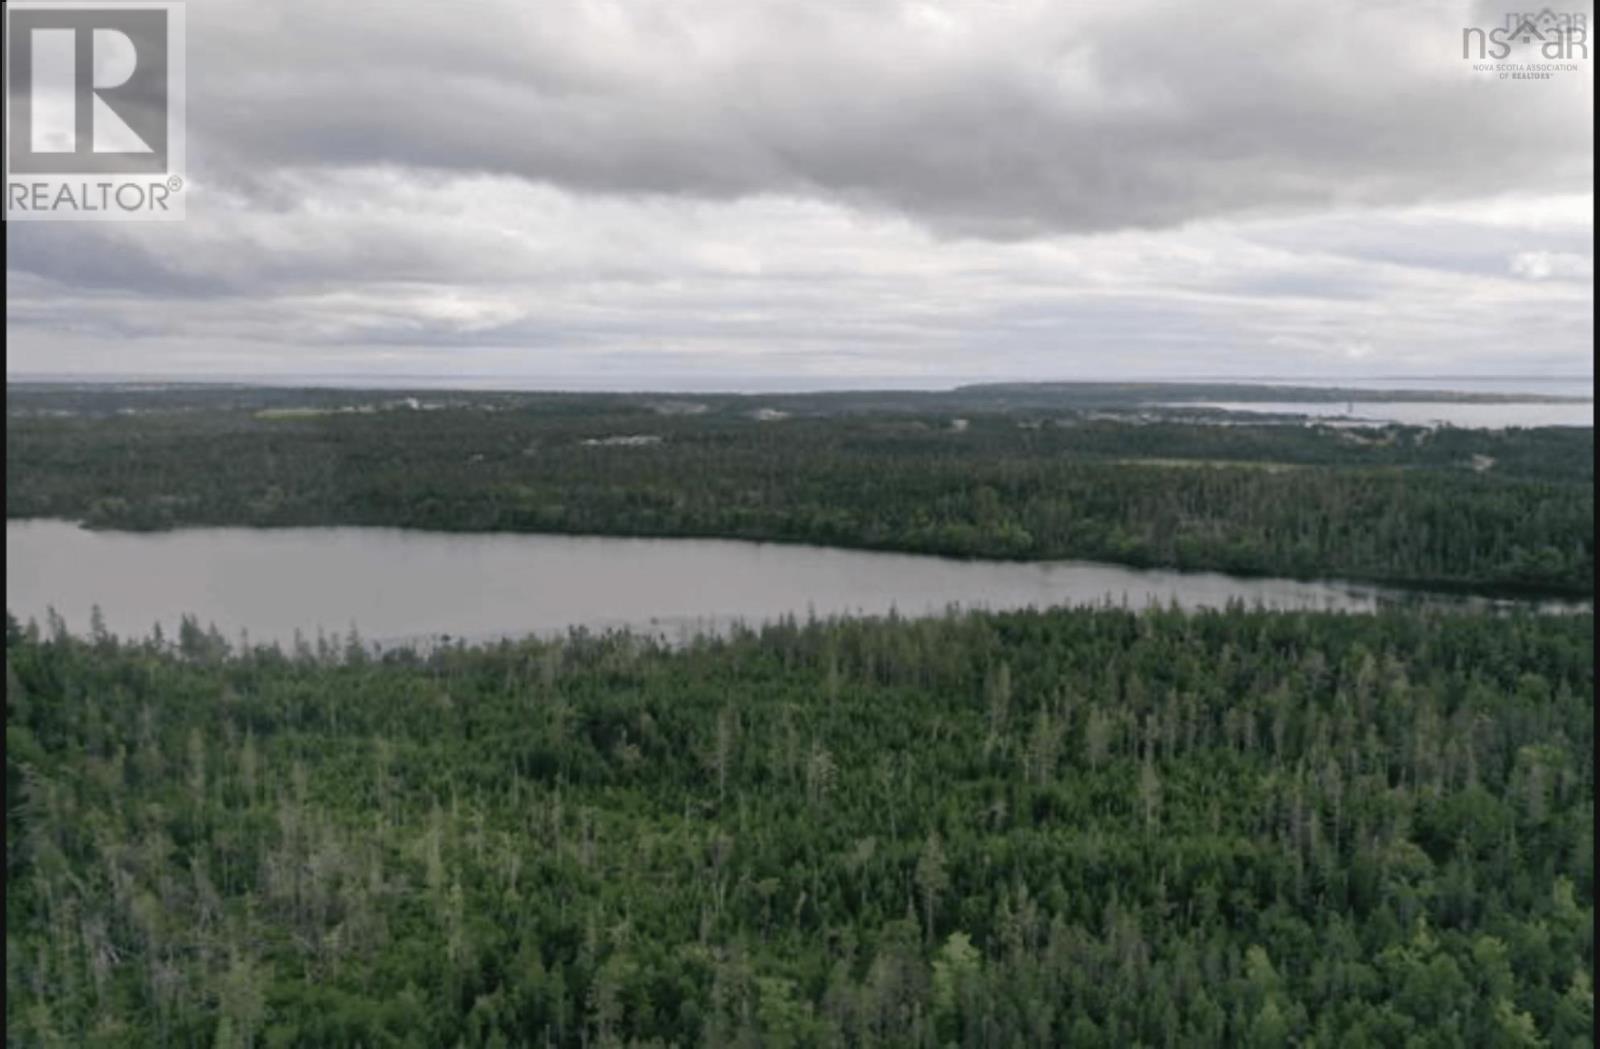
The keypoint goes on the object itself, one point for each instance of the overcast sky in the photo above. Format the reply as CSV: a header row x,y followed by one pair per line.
x,y
748,193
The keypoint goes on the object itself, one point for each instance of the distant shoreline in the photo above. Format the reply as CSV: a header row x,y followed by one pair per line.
x,y
1135,391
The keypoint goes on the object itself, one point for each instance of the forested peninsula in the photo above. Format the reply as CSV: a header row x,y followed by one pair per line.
x,y
1037,476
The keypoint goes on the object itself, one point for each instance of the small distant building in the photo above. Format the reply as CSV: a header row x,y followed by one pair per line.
x,y
632,440
679,408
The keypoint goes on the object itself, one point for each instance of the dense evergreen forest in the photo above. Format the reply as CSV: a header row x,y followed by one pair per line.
x,y
1028,473
1074,828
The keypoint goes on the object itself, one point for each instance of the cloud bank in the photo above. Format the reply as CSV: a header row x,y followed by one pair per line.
x,y
959,189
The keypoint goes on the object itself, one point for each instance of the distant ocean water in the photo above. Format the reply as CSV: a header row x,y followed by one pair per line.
x,y
1410,413
1560,386
1427,413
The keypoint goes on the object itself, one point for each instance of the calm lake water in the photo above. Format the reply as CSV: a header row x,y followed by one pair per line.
x,y
397,585
1417,413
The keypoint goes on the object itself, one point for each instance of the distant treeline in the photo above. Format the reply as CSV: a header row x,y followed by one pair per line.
x,y
1483,509
110,398
1088,828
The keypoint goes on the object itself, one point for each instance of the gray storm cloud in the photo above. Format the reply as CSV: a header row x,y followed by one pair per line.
x,y
996,118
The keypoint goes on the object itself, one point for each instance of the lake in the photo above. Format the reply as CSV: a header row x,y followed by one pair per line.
x,y
396,585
